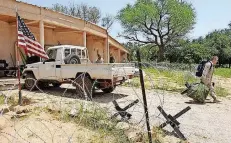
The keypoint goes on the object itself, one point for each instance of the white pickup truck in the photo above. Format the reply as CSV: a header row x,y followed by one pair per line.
x,y
71,63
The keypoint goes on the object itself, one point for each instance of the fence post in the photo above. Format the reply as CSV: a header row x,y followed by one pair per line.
x,y
144,96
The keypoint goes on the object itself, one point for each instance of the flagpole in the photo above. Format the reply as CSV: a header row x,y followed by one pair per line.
x,y
18,64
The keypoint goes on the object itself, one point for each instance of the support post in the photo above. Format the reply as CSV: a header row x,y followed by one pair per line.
x,y
106,51
119,56
144,96
84,39
41,29
108,48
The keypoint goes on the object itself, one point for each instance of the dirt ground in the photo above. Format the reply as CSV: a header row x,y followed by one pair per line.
x,y
207,123
44,128
35,124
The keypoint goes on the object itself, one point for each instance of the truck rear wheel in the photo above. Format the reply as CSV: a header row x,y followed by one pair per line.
x,y
56,85
43,85
30,82
84,86
108,90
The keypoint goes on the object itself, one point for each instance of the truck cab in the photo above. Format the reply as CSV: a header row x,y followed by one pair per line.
x,y
64,53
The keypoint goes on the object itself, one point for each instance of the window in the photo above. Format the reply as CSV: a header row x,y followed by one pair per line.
x,y
67,52
73,51
83,54
52,53
78,52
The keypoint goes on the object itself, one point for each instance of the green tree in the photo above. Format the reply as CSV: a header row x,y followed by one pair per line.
x,y
219,43
132,47
197,52
149,52
157,22
174,51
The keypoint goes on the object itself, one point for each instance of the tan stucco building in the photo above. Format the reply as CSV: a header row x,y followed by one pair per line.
x,y
51,28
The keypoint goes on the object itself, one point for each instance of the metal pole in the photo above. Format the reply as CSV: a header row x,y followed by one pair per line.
x,y
18,64
144,96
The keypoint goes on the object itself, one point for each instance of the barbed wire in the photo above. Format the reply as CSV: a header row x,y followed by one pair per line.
x,y
76,105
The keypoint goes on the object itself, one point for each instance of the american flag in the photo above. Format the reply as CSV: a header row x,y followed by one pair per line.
x,y
27,41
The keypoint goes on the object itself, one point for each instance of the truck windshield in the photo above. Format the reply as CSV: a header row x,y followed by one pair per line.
x,y
52,53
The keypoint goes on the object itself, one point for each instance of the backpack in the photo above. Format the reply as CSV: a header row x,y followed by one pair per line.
x,y
200,68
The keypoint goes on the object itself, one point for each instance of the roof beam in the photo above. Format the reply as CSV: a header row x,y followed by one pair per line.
x,y
26,22
51,27
67,31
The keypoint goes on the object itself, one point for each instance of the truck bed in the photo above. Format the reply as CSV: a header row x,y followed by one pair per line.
x,y
97,71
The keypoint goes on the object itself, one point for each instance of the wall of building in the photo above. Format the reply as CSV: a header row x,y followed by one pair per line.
x,y
52,38
69,38
49,37
94,45
114,53
124,57
6,43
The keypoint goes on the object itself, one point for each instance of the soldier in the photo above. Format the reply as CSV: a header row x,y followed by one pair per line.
x,y
207,76
99,59
112,59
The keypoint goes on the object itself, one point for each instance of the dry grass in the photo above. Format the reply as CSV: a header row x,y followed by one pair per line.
x,y
96,120
164,80
2,99
170,80
223,72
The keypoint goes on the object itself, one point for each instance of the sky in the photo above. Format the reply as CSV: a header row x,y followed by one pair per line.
x,y
211,14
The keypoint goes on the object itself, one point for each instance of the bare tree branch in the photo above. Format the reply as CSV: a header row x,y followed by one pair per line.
x,y
82,11
108,21
168,29
135,39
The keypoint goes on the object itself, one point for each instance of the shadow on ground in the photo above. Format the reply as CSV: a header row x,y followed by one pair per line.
x,y
98,96
198,103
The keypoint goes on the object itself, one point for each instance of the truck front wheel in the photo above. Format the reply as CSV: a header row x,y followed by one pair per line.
x,y
84,86
30,82
108,90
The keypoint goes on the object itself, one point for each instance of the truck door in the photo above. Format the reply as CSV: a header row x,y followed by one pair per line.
x,y
58,64
47,70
